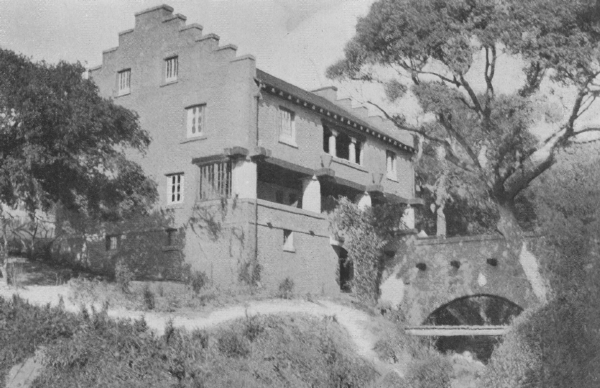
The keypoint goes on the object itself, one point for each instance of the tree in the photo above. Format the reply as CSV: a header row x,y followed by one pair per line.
x,y
63,144
447,54
556,345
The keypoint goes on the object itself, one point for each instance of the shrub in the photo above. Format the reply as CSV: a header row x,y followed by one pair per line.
x,y
286,289
231,344
250,272
149,299
253,327
432,372
197,281
123,276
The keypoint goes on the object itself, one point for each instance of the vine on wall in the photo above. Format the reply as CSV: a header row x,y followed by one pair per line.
x,y
365,234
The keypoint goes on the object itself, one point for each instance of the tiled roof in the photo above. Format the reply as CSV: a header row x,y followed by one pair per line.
x,y
304,96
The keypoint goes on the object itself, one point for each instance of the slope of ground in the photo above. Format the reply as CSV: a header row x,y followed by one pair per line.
x,y
361,329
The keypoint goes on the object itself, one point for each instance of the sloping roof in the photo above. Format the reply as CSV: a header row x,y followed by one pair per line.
x,y
323,103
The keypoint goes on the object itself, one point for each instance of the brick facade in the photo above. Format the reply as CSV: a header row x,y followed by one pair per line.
x,y
211,113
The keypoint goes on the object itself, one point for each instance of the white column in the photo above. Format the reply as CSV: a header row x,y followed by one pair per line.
x,y
360,153
352,150
408,218
311,194
244,179
332,141
363,201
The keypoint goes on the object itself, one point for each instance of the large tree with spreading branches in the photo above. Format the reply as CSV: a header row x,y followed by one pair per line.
x,y
62,144
453,57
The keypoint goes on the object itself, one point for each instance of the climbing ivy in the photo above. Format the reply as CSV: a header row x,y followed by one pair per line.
x,y
365,233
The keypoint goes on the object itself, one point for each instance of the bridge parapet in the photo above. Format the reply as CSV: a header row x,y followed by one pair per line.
x,y
434,272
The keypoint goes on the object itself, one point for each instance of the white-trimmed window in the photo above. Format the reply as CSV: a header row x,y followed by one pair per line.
x,y
195,120
391,165
288,241
124,81
215,180
171,69
174,188
287,128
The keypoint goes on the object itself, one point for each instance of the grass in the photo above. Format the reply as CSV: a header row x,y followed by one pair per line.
x,y
88,349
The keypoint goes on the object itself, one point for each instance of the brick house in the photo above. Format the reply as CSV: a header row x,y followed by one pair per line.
x,y
246,163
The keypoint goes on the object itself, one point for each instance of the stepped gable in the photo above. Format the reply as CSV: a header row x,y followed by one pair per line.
x,y
384,132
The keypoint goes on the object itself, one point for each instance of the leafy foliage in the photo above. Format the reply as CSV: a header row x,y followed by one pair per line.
x,y
62,143
92,350
475,143
365,234
555,346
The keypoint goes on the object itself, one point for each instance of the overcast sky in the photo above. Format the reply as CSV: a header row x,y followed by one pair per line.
x,y
293,39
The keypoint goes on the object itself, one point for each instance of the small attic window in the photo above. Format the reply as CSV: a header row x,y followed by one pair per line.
x,y
171,69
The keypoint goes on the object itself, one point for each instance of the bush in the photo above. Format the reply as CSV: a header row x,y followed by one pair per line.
x,y
123,276
432,372
231,344
555,346
286,289
253,327
197,281
149,299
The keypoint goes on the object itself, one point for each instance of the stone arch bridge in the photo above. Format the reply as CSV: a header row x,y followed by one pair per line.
x,y
459,281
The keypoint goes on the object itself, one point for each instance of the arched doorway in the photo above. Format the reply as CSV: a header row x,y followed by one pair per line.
x,y
474,310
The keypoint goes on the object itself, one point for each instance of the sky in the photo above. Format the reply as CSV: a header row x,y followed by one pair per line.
x,y
292,39
295,40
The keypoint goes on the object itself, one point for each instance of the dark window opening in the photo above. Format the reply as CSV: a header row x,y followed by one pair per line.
x,y
346,271
171,237
279,196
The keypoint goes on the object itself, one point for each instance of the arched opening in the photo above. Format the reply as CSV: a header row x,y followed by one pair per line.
x,y
345,269
474,310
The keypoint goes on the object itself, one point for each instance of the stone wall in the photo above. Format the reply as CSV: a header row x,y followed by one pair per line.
x,y
148,253
433,272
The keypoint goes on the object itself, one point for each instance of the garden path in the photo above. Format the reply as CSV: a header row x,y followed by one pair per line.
x,y
357,323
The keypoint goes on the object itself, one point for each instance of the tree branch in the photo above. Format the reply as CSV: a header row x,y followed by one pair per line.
x,y
471,93
461,140
450,154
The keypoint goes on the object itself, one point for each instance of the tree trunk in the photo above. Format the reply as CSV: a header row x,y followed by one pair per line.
x,y
517,245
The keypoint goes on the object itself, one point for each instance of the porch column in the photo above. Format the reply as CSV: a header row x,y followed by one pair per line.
x,y
363,201
352,149
244,178
408,218
311,194
332,141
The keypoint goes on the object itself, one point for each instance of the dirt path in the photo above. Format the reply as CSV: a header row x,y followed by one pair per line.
x,y
357,323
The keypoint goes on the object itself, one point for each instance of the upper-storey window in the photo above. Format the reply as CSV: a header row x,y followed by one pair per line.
x,y
124,81
392,172
171,69
195,120
174,189
287,127
342,145
215,180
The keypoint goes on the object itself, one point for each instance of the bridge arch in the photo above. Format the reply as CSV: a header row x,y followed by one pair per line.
x,y
475,310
